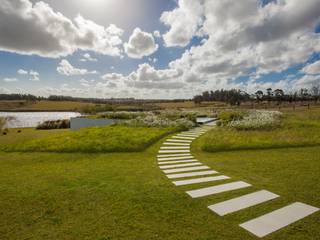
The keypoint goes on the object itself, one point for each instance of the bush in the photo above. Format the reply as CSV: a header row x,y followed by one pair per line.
x,y
152,120
175,115
226,117
57,124
258,120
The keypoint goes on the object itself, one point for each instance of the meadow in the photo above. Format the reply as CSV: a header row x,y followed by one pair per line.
x,y
125,196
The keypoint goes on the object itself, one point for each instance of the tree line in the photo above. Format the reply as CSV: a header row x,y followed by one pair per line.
x,y
237,96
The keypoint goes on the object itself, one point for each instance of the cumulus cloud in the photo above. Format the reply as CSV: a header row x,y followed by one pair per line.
x,y
34,76
312,69
22,72
157,34
28,28
241,37
10,80
140,44
87,58
65,68
183,22
112,77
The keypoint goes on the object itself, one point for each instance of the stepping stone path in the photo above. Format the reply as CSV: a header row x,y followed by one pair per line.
x,y
177,162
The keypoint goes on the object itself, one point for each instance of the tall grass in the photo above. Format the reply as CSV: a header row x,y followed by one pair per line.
x,y
2,124
296,130
95,140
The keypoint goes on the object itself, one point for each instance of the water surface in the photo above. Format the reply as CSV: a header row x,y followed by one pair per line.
x,y
33,119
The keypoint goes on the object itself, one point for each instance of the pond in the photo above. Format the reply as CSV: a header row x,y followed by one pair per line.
x,y
32,119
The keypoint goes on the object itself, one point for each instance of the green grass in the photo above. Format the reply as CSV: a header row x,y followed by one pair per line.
x,y
94,140
125,196
298,129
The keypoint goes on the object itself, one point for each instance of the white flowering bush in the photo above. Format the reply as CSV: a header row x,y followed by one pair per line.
x,y
152,120
258,119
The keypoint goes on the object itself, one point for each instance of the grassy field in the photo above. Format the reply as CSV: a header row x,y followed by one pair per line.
x,y
90,140
124,196
42,106
299,128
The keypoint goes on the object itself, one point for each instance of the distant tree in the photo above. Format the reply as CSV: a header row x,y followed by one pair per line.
x,y
279,94
259,95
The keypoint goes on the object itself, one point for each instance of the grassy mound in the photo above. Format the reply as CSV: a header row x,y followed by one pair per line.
x,y
296,130
94,140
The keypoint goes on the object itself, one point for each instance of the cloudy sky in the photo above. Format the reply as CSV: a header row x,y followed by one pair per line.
x,y
157,48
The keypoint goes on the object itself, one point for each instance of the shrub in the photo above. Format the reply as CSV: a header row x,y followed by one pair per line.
x,y
258,119
226,117
57,124
152,120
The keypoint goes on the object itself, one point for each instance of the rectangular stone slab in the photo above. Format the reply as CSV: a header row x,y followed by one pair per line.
x,y
273,221
188,134
185,169
178,140
180,161
174,158
200,180
180,165
192,174
174,151
175,147
186,138
176,144
174,155
202,192
245,201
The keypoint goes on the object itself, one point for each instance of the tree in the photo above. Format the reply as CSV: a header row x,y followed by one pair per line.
x,y
259,95
279,95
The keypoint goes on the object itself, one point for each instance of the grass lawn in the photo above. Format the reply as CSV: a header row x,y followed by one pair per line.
x,y
299,128
100,139
124,196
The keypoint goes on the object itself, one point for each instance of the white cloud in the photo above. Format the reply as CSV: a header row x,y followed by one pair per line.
x,y
34,76
240,36
4,90
183,22
65,68
157,34
313,68
140,44
87,58
28,28
10,80
112,76
22,72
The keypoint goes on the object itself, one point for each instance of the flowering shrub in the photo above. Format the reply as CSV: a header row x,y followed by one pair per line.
x,y
258,119
152,120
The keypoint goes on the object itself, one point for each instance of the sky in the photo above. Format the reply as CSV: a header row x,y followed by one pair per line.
x,y
157,49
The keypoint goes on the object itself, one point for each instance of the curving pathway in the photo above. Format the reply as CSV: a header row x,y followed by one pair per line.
x,y
177,162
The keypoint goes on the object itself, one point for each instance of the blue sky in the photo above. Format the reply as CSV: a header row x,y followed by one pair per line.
x,y
201,45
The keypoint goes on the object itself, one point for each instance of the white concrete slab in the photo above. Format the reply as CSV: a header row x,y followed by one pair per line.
x,y
180,161
175,147
175,144
192,174
188,134
180,165
174,155
245,201
202,192
179,140
186,138
188,169
273,221
175,158
200,180
174,151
